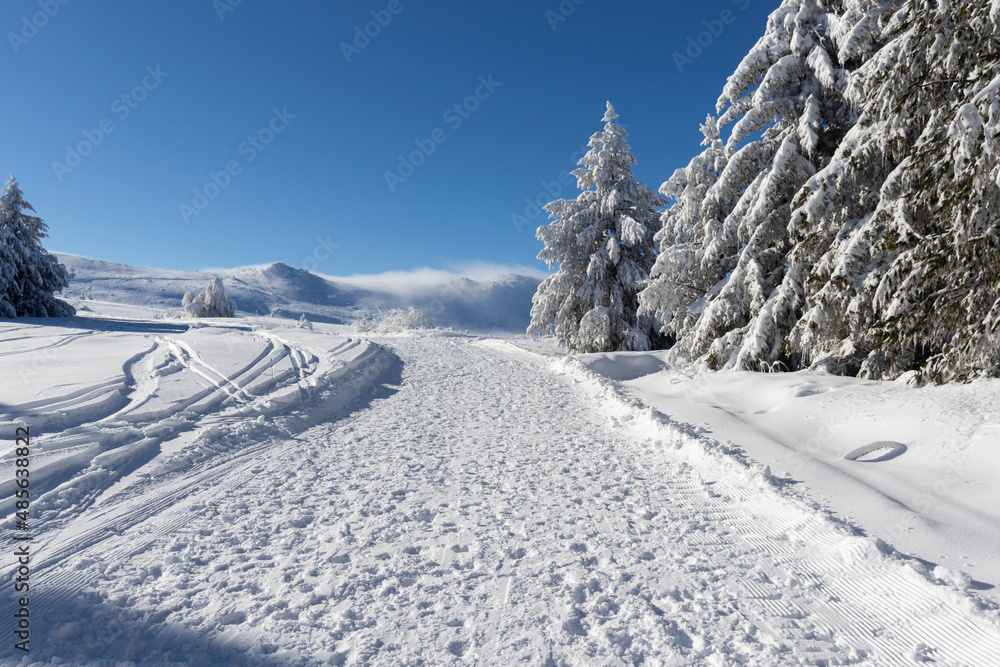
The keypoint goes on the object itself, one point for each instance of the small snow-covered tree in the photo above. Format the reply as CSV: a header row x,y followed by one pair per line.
x,y
602,242
29,275
210,303
304,323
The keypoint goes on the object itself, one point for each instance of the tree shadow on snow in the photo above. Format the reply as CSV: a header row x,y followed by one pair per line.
x,y
84,626
107,324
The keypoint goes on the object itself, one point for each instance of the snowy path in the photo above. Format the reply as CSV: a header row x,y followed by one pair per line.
x,y
488,512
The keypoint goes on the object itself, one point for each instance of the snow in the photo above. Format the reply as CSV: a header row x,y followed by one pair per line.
x,y
258,493
118,395
474,299
244,491
914,466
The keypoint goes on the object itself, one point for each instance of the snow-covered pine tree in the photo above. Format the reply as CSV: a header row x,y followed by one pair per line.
x,y
898,267
786,107
602,242
894,246
210,303
217,304
936,290
831,222
29,275
8,270
9,261
680,277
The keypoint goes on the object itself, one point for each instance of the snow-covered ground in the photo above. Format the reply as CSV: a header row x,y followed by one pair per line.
x,y
244,492
916,466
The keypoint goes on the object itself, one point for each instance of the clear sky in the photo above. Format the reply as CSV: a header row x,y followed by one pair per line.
x,y
116,112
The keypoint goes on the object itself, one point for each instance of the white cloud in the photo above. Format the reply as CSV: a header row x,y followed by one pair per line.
x,y
417,280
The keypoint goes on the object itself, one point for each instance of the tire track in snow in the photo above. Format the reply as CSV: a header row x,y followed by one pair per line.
x,y
161,503
578,540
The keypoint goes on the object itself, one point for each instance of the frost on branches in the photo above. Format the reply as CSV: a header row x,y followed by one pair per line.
x,y
850,220
901,268
936,289
602,242
395,321
725,241
210,303
29,275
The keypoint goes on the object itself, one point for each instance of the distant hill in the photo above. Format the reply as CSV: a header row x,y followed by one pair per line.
x,y
500,303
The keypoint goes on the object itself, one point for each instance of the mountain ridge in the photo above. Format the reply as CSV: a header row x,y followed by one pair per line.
x,y
499,303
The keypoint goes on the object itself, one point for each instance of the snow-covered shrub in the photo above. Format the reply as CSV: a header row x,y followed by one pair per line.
x,y
210,303
304,323
394,320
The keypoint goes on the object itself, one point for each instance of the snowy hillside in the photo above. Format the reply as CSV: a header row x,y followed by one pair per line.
x,y
498,303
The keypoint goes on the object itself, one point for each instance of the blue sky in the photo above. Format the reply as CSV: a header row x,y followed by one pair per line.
x,y
287,135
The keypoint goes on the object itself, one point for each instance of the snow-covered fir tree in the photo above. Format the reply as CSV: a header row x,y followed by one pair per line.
x,y
213,302
788,113
935,292
602,242
679,279
832,204
899,271
786,110
9,261
863,232
29,275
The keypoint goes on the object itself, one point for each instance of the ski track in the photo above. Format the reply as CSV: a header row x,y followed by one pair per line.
x,y
488,512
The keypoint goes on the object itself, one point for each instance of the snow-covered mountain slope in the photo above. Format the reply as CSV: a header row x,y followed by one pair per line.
x,y
442,500
498,303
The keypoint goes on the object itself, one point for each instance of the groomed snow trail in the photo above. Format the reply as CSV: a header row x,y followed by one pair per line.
x,y
489,512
